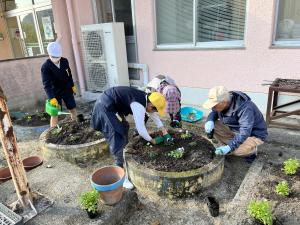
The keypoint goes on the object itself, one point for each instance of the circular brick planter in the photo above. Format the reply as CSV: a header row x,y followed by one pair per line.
x,y
173,184
78,154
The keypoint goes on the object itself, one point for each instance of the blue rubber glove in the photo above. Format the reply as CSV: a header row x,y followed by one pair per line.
x,y
209,126
222,150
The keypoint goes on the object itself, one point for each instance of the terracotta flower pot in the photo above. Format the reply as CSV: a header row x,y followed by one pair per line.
x,y
109,182
4,174
32,162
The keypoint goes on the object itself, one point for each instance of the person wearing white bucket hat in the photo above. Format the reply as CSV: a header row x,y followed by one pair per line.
x,y
167,87
236,121
58,82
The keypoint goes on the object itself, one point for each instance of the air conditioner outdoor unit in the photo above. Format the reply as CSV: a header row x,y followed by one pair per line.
x,y
104,55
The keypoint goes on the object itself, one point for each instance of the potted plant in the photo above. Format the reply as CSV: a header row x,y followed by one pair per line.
x,y
261,211
89,202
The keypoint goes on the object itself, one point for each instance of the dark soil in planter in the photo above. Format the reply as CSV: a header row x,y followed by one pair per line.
x,y
197,152
73,133
34,120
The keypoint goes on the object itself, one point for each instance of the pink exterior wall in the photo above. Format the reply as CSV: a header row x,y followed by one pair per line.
x,y
240,69
21,82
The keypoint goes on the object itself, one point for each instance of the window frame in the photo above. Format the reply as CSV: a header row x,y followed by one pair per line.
x,y
33,9
281,43
237,44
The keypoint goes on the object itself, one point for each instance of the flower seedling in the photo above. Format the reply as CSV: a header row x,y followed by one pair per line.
x,y
290,166
98,133
152,154
192,144
177,154
261,211
186,135
74,138
89,200
282,189
56,130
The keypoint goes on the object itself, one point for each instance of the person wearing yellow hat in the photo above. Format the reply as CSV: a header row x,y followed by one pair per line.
x,y
58,82
114,104
236,121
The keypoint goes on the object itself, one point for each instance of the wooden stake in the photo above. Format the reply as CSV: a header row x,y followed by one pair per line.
x,y
11,152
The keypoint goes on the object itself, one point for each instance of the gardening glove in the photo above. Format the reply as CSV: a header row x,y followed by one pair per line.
x,y
223,150
74,89
54,102
176,124
209,126
168,138
158,140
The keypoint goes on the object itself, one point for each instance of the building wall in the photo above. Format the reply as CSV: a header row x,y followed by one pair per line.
x,y
240,69
21,82
5,50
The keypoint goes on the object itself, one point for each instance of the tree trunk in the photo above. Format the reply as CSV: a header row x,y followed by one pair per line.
x,y
9,145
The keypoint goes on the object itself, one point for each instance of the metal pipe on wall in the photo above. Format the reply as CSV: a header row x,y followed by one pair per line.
x,y
75,47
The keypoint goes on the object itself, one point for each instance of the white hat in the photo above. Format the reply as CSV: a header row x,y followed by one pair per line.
x,y
54,49
154,83
215,96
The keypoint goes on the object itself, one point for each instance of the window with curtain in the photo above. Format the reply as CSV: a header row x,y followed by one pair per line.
x,y
215,20
288,21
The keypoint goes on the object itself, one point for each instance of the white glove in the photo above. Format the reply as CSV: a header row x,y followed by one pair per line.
x,y
209,126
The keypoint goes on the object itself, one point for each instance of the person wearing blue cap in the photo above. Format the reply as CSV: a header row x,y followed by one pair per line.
x,y
58,82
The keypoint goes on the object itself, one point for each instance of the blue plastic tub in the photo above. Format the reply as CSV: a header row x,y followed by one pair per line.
x,y
191,114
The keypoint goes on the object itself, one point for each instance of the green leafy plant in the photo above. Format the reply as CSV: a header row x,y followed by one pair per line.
x,y
185,135
192,144
89,200
262,211
282,188
74,138
177,154
152,154
98,133
56,131
28,118
290,166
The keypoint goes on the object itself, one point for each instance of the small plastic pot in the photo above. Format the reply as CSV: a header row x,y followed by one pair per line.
x,y
92,215
213,206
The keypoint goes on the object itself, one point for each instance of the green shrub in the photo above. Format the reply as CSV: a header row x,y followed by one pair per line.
x,y
282,188
290,166
261,210
88,200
